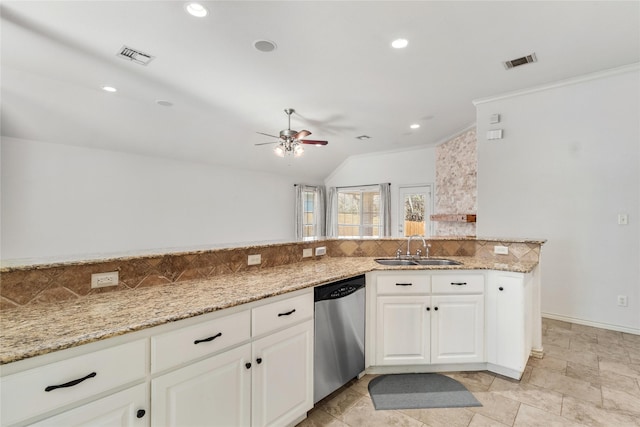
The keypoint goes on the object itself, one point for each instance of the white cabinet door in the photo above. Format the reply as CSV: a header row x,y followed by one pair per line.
x,y
457,329
282,375
507,323
402,330
128,408
212,392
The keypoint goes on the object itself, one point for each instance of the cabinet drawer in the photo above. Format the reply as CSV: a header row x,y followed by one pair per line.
x,y
281,313
403,284
189,343
457,283
24,394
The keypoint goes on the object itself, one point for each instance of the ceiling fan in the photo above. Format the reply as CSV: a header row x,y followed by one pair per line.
x,y
290,141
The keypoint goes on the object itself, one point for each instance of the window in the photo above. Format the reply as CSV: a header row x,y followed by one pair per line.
x,y
414,210
309,211
308,214
359,212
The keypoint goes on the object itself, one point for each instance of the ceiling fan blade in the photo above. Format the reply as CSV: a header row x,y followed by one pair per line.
x,y
313,142
267,143
301,134
266,134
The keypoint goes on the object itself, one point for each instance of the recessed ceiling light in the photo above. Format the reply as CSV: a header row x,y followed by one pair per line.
x,y
196,9
400,43
109,89
414,126
264,45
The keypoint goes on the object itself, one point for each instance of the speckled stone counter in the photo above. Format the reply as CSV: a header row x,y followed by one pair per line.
x,y
39,329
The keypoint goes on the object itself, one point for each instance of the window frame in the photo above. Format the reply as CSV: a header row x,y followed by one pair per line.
x,y
373,188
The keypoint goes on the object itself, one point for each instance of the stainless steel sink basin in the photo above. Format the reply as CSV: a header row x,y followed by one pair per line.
x,y
436,261
419,261
395,261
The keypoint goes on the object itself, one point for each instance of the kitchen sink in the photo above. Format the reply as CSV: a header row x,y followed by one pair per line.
x,y
395,261
436,261
419,261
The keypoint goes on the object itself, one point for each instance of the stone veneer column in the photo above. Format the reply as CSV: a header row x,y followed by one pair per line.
x,y
456,183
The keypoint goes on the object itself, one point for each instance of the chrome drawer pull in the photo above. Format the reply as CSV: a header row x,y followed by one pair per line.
x,y
458,283
70,383
287,313
219,334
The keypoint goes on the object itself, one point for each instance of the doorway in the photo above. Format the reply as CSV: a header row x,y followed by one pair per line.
x,y
414,210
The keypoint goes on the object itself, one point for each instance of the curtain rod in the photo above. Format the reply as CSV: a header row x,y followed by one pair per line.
x,y
364,185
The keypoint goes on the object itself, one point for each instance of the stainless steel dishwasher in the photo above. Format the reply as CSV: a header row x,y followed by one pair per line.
x,y
339,335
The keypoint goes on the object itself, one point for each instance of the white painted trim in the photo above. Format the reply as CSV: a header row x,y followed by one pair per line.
x,y
571,81
617,328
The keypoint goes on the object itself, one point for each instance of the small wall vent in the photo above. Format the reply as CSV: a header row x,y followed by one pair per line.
x,y
135,55
520,61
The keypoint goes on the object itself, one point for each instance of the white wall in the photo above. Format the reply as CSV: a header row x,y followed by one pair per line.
x,y
404,167
62,202
567,166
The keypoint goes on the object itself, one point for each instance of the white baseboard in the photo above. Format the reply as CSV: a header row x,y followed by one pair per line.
x,y
618,328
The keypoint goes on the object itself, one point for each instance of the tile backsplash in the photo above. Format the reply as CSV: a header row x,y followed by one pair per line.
x,y
58,282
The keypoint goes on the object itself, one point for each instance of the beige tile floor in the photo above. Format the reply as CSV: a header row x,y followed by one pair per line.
x,y
588,377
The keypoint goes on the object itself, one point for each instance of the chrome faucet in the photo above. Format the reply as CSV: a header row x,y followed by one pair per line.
x,y
418,252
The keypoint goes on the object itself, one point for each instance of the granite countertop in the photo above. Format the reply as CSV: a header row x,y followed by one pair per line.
x,y
39,329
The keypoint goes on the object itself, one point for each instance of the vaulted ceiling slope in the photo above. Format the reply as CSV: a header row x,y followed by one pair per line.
x,y
333,63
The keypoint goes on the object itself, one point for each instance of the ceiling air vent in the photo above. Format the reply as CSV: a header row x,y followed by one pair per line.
x,y
520,61
135,55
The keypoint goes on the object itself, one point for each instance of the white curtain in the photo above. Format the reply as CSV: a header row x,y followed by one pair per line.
x,y
385,208
332,213
321,211
298,211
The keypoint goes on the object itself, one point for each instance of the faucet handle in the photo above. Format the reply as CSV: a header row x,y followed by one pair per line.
x,y
398,253
418,253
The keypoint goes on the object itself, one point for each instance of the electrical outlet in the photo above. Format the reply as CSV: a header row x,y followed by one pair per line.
x,y
622,301
501,250
321,250
254,259
307,252
623,219
102,280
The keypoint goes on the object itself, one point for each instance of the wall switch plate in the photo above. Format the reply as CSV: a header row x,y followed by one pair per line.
x,y
501,250
494,134
623,219
102,280
622,301
322,250
254,259
307,252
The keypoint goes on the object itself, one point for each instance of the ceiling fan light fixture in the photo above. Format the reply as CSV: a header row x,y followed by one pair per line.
x,y
279,150
298,151
196,9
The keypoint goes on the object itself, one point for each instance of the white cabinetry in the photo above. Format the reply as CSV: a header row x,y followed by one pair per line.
x,y
266,381
426,318
509,318
73,381
119,409
403,330
215,391
283,376
457,318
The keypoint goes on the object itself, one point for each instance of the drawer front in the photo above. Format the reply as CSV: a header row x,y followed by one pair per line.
x,y
404,284
191,342
457,283
25,395
281,313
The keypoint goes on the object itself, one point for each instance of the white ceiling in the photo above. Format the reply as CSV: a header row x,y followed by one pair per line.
x,y
333,64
